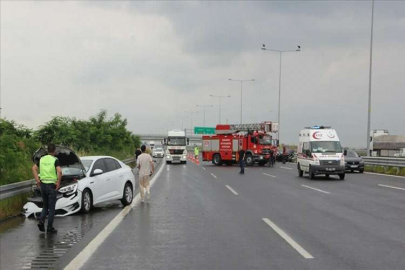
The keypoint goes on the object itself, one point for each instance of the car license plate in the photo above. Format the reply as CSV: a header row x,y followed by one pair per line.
x,y
353,166
330,169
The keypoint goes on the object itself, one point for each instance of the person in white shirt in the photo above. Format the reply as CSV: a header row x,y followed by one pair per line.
x,y
146,168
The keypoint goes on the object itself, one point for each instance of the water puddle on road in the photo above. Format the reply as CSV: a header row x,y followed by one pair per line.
x,y
24,247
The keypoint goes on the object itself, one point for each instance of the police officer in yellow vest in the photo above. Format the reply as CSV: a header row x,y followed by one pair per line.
x,y
196,150
51,175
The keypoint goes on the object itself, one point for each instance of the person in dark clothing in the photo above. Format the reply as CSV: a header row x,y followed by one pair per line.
x,y
49,182
271,159
284,154
242,161
138,152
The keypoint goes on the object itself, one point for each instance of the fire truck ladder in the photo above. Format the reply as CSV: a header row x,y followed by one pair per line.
x,y
264,126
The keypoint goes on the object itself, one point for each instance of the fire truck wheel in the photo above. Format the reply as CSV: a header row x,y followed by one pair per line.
x,y
249,160
300,172
217,160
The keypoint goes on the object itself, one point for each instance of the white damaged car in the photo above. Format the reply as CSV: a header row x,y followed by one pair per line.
x,y
86,181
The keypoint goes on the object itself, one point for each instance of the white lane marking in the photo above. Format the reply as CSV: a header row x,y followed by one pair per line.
x,y
289,240
232,190
89,250
213,175
287,168
269,175
316,189
391,187
204,169
397,176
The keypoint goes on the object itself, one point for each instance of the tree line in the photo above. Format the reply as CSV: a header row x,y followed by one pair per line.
x,y
99,135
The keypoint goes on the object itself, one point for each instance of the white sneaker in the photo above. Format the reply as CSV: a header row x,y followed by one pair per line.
x,y
148,195
142,200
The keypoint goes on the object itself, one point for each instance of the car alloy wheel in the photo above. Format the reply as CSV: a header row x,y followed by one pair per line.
x,y
86,201
128,195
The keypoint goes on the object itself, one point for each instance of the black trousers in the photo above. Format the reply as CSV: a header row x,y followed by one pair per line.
x,y
49,201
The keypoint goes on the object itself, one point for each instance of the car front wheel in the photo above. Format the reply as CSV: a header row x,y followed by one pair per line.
x,y
128,195
86,201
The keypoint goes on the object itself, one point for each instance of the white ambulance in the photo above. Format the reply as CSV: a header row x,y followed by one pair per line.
x,y
319,152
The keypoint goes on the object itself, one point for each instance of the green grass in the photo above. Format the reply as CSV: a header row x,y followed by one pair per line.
x,y
386,170
12,206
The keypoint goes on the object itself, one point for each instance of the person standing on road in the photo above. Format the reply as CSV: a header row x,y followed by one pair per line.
x,y
146,169
242,161
196,150
49,182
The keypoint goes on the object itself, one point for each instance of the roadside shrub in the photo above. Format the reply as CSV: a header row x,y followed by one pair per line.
x,y
96,136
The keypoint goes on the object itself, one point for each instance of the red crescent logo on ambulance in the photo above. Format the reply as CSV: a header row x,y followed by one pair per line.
x,y
317,135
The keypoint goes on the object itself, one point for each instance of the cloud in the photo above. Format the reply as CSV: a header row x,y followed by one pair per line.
x,y
152,61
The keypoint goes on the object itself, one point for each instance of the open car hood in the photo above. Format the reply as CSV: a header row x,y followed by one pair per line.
x,y
66,156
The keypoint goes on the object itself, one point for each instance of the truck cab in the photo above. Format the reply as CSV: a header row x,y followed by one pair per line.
x,y
176,143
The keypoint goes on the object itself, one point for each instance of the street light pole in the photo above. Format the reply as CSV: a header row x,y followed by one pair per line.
x,y
219,105
241,82
204,106
279,83
369,82
191,118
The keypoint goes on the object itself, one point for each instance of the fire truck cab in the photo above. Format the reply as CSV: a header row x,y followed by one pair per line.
x,y
255,139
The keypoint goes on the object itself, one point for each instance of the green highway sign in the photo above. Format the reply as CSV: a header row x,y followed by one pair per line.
x,y
204,130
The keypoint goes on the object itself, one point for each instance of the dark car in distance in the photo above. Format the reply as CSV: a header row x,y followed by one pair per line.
x,y
353,162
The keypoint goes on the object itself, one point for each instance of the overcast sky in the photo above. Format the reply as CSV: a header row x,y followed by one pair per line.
x,y
152,61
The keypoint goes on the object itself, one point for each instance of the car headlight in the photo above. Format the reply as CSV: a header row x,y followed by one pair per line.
x,y
316,161
342,161
69,189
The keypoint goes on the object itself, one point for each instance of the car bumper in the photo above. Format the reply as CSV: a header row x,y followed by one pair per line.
x,y
64,205
174,158
325,169
349,167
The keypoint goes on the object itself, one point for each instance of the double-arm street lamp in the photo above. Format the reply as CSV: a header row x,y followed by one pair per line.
x,y
204,106
219,105
279,81
241,83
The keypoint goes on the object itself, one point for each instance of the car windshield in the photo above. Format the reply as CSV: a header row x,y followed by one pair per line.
x,y
266,140
68,171
326,147
176,141
351,154
87,164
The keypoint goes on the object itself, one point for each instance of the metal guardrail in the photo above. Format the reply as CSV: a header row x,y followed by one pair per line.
x,y
385,161
8,191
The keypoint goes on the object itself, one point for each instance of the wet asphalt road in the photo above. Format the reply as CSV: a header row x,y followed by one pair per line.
x,y
195,220
22,246
206,217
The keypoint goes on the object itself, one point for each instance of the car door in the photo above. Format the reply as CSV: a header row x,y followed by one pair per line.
x,y
98,183
115,180
306,160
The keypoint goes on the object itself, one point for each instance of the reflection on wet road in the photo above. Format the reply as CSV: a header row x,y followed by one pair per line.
x,y
24,247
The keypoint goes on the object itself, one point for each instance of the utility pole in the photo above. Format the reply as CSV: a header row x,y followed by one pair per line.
x,y
369,82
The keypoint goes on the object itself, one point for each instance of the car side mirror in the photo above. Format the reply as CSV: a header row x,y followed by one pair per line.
x,y
345,152
308,153
188,141
97,172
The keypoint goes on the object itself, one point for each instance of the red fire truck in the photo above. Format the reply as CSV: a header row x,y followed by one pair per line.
x,y
255,139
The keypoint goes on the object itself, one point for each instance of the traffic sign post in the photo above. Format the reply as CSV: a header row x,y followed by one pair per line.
x,y
204,130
